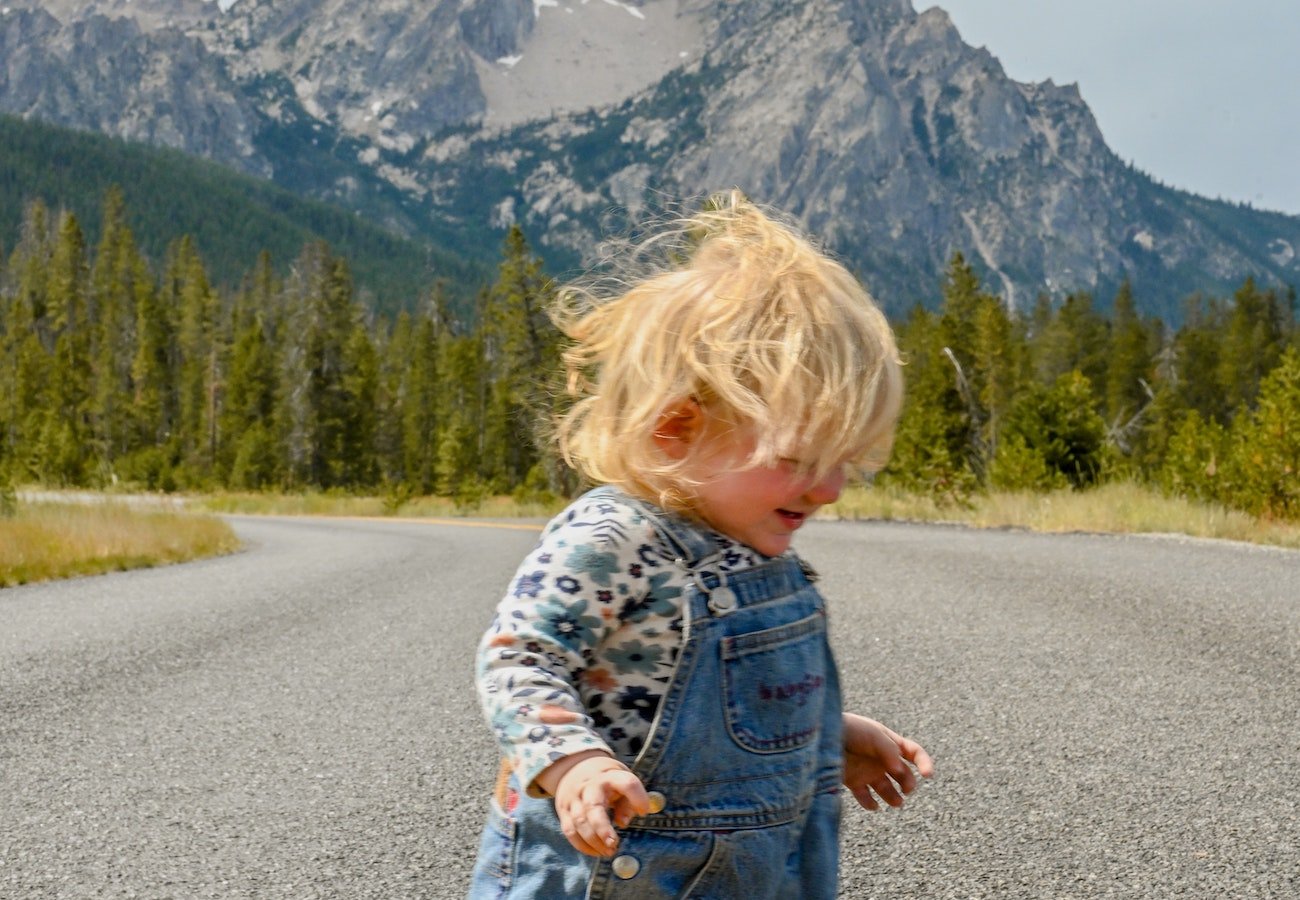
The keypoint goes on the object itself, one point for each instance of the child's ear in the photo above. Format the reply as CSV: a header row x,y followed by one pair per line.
x,y
679,426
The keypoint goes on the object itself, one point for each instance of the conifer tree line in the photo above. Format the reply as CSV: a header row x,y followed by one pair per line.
x,y
1064,396
112,373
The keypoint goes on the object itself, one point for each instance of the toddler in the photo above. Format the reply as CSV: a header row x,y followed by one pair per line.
x,y
658,675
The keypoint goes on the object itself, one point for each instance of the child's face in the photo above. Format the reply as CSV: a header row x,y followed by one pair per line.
x,y
764,506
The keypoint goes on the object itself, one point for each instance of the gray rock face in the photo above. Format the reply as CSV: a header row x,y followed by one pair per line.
x,y
876,126
105,74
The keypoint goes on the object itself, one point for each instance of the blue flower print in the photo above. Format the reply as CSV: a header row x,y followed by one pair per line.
x,y
529,585
635,656
649,555
544,559
506,724
658,601
599,565
638,699
568,584
567,624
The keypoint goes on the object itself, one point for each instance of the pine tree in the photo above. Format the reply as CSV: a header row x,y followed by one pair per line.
x,y
931,447
1130,370
974,363
116,279
520,349
199,376
61,450
315,410
247,458
1197,353
424,406
357,451
1251,344
25,345
1075,339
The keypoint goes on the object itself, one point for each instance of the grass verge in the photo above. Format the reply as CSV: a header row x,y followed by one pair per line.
x,y
1115,508
326,504
42,541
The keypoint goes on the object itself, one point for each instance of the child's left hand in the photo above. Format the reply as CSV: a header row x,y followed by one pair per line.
x,y
876,759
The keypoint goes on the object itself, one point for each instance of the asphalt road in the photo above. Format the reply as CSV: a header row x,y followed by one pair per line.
x,y
1110,717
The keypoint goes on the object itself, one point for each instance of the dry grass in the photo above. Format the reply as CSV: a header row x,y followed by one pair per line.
x,y
323,504
1116,508
1119,507
52,540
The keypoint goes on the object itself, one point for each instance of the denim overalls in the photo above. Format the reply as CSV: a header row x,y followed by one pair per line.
x,y
745,749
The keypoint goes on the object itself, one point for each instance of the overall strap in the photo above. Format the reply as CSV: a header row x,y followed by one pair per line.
x,y
696,552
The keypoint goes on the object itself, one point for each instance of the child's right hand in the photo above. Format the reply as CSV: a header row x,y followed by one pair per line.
x,y
586,787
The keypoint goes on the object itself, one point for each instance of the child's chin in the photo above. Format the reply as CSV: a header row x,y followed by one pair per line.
x,y
773,546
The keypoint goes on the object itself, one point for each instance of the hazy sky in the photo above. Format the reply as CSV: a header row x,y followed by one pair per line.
x,y
1202,94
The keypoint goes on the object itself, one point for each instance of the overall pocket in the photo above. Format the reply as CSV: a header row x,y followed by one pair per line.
x,y
774,685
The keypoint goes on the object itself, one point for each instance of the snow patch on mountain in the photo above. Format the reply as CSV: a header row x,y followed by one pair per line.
x,y
575,62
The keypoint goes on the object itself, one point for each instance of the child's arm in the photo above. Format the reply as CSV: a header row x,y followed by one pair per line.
x,y
585,787
541,654
876,759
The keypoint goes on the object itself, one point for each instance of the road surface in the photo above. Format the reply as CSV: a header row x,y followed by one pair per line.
x,y
1110,717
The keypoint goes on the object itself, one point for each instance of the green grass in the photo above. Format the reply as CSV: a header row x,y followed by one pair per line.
x,y
43,541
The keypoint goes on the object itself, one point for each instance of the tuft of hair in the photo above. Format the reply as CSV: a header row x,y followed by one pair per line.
x,y
741,312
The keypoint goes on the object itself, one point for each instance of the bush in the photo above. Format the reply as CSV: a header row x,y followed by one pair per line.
x,y
1020,467
1060,425
1263,468
1193,459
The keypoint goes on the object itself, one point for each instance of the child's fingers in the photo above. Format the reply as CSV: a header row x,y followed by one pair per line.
x,y
587,828
887,791
625,792
585,813
865,797
916,753
595,830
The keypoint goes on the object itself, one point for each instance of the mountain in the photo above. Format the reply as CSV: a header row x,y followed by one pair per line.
x,y
873,124
232,217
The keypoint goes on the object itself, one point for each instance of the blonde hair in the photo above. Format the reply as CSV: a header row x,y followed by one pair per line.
x,y
746,317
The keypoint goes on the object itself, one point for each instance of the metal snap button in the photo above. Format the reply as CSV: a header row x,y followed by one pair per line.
x,y
722,600
625,867
657,802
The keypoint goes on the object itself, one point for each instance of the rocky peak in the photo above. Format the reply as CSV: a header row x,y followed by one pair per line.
x,y
875,124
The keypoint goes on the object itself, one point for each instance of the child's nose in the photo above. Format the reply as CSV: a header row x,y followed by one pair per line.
x,y
827,490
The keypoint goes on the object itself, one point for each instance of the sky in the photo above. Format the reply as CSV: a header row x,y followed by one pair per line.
x,y
1203,95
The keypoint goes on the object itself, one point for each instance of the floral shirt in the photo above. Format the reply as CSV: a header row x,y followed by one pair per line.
x,y
583,644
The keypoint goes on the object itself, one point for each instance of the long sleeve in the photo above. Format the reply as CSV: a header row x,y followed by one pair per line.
x,y
543,649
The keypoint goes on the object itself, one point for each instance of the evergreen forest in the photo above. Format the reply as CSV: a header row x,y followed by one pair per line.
x,y
114,371
168,193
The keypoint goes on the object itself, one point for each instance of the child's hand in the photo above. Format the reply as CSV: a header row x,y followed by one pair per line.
x,y
876,758
586,786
